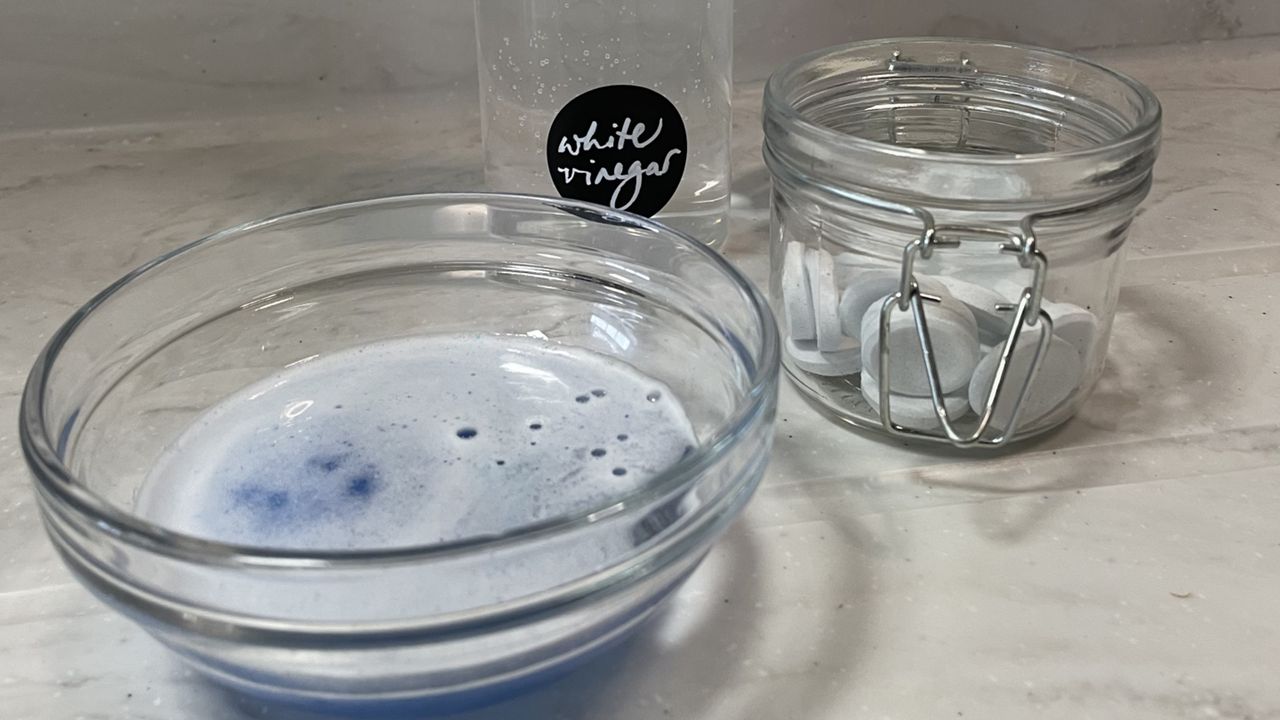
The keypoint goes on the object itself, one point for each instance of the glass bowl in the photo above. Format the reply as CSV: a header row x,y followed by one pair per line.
x,y
416,625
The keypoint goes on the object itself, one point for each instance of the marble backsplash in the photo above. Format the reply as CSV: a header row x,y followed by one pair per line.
x,y
86,62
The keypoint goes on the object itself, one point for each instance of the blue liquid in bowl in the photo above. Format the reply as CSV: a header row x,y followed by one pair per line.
x,y
415,442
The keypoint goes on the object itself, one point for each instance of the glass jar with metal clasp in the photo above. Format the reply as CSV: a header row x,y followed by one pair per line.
x,y
949,221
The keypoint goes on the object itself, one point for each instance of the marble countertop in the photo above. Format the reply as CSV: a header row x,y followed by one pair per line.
x,y
1127,566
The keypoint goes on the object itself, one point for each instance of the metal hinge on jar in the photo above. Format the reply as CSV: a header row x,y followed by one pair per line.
x,y
898,63
1026,313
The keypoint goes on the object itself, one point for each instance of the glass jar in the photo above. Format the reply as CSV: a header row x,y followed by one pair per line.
x,y
949,219
623,103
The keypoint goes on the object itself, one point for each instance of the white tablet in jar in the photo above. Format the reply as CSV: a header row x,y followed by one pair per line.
x,y
1060,374
797,301
952,332
805,355
993,325
912,412
820,270
870,287
1074,324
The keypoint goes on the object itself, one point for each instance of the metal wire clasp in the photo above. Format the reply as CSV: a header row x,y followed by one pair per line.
x,y
1026,312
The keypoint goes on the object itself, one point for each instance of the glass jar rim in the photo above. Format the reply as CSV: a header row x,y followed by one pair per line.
x,y
55,480
795,140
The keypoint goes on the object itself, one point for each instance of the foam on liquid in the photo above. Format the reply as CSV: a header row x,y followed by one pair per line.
x,y
417,441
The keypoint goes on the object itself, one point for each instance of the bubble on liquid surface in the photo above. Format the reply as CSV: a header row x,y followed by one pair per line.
x,y
357,471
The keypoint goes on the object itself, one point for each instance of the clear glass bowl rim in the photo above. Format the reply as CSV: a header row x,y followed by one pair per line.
x,y
59,485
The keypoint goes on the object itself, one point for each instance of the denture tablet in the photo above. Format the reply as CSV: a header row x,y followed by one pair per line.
x,y
954,336
797,302
916,413
869,287
805,355
819,268
1060,373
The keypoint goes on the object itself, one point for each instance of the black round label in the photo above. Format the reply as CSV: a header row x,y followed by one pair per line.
x,y
622,146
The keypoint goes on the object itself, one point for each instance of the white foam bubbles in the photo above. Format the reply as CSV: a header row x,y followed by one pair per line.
x,y
416,441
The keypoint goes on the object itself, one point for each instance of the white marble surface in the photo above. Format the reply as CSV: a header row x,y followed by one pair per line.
x,y
1125,567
